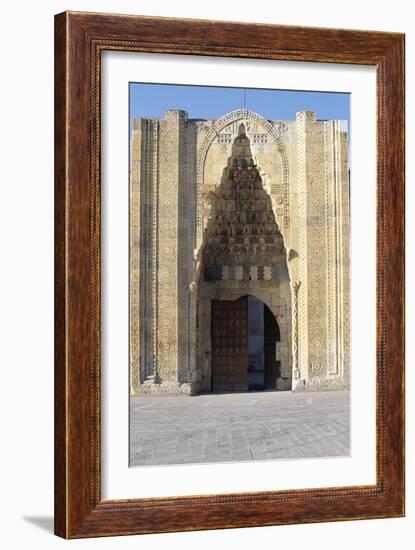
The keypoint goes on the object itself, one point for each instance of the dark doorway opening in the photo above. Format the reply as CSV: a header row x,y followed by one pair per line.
x,y
245,340
272,363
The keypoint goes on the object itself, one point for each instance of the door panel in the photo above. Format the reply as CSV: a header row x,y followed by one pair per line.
x,y
230,345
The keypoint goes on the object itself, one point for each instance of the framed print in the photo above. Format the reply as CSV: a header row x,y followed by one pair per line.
x,y
229,275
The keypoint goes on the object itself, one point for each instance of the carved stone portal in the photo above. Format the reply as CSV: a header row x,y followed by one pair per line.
x,y
243,251
232,208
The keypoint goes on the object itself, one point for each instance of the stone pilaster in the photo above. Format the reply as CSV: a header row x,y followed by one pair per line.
x,y
187,282
168,210
135,220
148,250
312,300
303,124
338,271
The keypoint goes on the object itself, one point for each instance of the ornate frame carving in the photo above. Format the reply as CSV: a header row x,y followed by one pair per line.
x,y
79,40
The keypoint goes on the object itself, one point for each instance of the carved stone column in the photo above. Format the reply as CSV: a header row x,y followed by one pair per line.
x,y
294,291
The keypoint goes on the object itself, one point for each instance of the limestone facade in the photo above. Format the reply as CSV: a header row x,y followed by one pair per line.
x,y
234,207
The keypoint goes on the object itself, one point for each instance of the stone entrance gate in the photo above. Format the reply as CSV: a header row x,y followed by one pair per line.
x,y
243,251
239,206
245,346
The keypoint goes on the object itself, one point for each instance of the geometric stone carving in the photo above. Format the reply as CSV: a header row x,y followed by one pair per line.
x,y
242,229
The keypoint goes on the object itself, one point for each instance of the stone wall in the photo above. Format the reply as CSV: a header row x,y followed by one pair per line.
x,y
177,169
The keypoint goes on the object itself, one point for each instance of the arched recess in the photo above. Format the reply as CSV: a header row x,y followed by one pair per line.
x,y
220,124
245,356
248,355
243,253
279,311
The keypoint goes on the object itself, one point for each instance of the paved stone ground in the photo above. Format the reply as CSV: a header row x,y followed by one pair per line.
x,y
238,427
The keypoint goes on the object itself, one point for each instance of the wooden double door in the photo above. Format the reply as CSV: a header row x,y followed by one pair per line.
x,y
230,345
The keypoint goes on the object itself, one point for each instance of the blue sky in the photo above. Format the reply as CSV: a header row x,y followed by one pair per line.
x,y
152,100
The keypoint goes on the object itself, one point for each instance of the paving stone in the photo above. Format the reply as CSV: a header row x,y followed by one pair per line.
x,y
238,427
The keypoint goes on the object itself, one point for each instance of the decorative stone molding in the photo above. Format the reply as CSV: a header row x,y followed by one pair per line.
x,y
295,287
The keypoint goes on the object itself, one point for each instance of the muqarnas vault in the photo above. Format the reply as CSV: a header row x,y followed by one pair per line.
x,y
239,254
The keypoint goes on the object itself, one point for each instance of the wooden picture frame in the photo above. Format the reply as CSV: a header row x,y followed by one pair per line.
x,y
79,40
